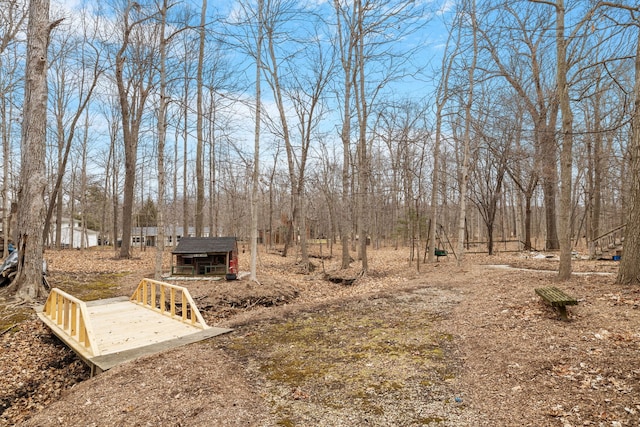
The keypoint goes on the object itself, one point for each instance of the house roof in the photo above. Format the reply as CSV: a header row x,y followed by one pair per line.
x,y
194,245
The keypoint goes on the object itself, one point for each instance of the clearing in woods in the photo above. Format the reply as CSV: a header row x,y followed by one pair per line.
x,y
452,346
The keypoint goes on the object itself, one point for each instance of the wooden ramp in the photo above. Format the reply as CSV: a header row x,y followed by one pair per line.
x,y
105,333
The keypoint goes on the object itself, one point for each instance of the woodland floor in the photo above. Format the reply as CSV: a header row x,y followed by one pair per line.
x,y
448,346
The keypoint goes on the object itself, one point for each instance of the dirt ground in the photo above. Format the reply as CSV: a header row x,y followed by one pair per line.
x,y
469,345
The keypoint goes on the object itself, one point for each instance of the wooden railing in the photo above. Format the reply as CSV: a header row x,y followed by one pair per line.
x,y
212,269
183,269
170,300
70,314
612,239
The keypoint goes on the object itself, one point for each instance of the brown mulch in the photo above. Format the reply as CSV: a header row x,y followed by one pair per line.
x,y
451,345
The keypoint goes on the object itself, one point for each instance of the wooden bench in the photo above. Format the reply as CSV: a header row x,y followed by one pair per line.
x,y
557,299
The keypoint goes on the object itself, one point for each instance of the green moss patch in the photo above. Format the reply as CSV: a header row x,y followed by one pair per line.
x,y
11,318
89,287
378,354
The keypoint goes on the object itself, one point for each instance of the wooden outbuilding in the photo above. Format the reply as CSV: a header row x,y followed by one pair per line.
x,y
206,256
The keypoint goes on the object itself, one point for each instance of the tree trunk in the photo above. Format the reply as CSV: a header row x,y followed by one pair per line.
x,y
302,220
564,219
256,153
595,171
185,152
467,140
130,161
441,99
549,187
199,130
6,150
83,185
115,192
490,242
72,208
629,272
162,134
56,200
213,202
104,237
431,245
362,109
527,221
294,184
174,198
346,57
132,96
28,282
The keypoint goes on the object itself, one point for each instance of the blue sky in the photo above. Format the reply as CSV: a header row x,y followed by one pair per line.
x,y
418,86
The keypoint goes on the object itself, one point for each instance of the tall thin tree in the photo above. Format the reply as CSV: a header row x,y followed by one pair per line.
x,y
199,127
162,136
255,176
464,168
134,80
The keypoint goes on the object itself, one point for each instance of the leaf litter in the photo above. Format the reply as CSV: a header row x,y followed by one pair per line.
x,y
450,346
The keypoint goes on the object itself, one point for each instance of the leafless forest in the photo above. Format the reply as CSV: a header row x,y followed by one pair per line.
x,y
455,126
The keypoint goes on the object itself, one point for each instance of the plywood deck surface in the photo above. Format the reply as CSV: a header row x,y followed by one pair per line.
x,y
124,325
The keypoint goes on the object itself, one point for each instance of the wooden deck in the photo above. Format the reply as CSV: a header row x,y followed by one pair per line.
x,y
104,333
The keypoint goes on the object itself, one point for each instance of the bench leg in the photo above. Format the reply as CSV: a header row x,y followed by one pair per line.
x,y
563,312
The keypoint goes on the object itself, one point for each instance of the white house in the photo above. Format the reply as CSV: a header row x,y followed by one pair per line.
x,y
74,229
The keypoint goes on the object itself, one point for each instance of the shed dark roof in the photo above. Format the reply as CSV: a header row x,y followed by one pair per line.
x,y
198,245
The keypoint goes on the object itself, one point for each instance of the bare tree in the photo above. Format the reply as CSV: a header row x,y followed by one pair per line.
x,y
255,176
442,96
307,95
219,81
327,179
566,156
523,170
199,226
28,282
186,110
563,65
629,272
83,181
400,133
346,41
365,30
12,22
276,14
77,89
304,90
162,135
470,9
134,61
12,18
522,33
496,135
112,182
604,117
